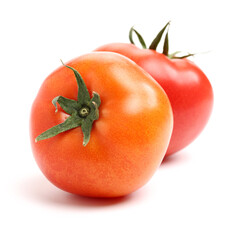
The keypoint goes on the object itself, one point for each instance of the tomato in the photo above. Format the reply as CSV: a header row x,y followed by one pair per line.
x,y
129,135
187,87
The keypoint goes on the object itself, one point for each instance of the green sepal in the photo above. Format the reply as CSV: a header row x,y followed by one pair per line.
x,y
83,112
140,38
166,45
172,55
88,122
158,38
184,56
83,95
96,99
71,122
68,105
86,129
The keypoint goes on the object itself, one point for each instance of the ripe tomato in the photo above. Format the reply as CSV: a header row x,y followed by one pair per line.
x,y
128,138
187,87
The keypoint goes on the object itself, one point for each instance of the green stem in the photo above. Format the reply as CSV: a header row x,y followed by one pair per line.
x,y
83,112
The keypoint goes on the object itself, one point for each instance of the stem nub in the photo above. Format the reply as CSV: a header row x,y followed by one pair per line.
x,y
84,111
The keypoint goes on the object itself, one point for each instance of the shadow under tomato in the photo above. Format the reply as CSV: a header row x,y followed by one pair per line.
x,y
38,189
176,158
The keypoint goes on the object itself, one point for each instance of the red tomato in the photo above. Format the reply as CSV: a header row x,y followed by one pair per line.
x,y
128,138
187,87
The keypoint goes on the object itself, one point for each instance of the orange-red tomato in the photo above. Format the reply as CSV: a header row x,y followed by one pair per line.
x,y
128,141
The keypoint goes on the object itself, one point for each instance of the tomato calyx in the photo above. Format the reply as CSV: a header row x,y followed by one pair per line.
x,y
83,112
156,41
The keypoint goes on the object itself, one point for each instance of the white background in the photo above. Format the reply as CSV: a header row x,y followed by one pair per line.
x,y
195,195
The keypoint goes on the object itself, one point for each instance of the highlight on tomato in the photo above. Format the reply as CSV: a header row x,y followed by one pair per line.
x,y
188,88
100,126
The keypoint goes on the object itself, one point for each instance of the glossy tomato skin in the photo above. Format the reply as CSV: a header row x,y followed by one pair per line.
x,y
127,142
187,87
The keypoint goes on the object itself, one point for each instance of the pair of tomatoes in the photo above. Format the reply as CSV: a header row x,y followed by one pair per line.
x,y
102,123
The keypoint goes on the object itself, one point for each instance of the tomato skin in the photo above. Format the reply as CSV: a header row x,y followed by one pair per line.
x,y
187,87
128,141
